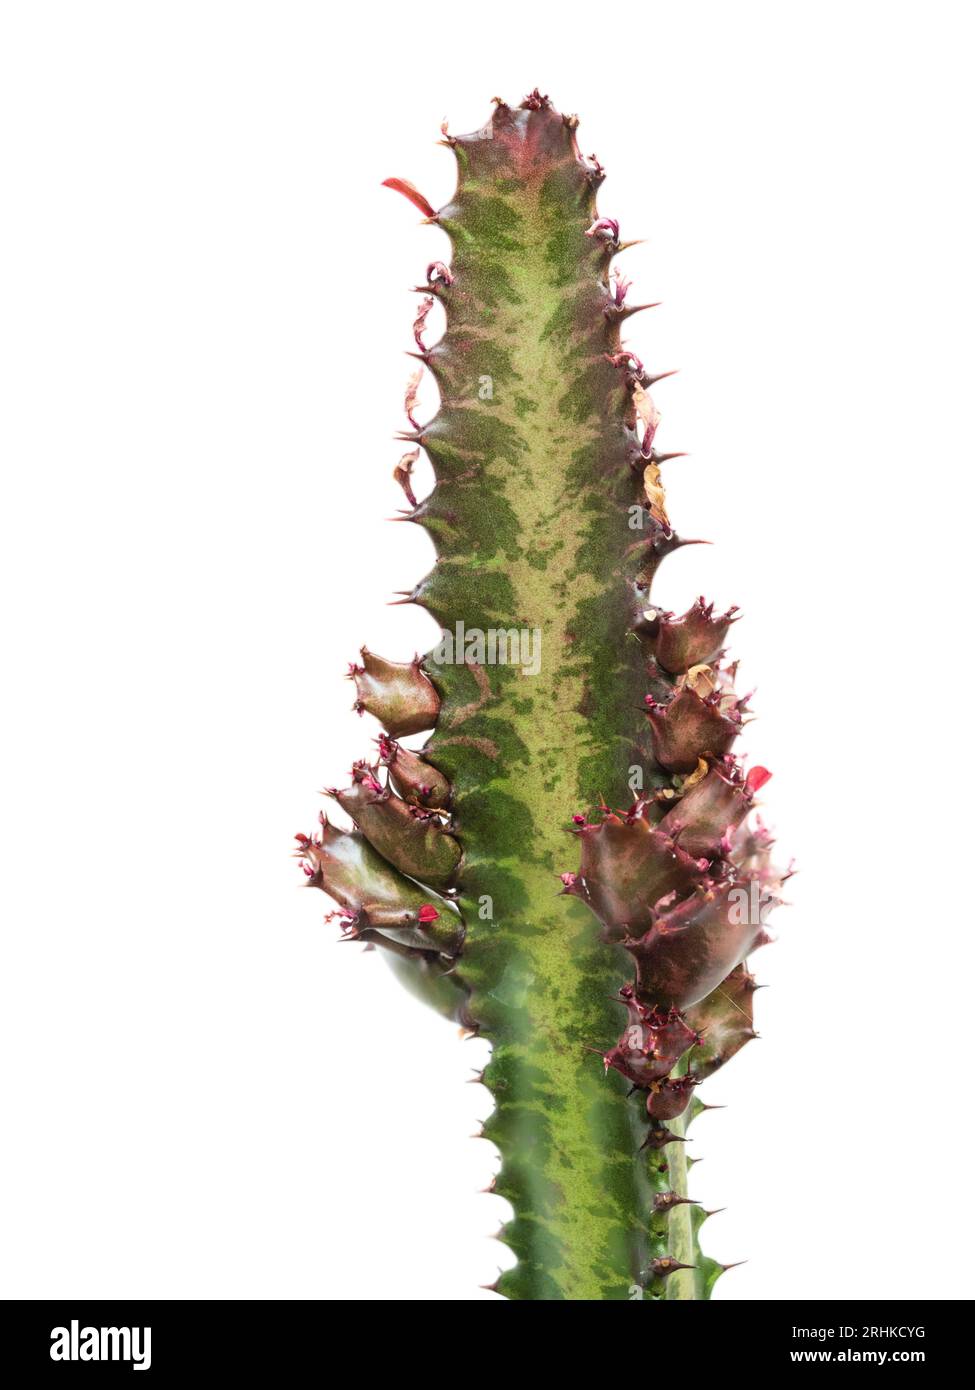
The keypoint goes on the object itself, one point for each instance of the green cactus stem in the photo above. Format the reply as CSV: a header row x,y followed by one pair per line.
x,y
565,706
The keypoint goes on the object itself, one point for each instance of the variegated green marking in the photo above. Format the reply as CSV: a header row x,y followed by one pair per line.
x,y
532,524
549,520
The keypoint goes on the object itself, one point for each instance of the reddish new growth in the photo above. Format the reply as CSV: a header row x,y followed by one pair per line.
x,y
681,880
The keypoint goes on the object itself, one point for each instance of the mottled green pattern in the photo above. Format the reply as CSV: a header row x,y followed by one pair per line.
x,y
532,521
549,520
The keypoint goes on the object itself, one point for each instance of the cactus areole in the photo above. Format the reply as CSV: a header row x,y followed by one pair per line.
x,y
571,856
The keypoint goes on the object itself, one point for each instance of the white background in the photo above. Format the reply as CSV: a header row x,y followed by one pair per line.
x,y
204,303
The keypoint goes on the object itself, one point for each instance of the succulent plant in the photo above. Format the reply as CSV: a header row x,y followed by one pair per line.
x,y
571,856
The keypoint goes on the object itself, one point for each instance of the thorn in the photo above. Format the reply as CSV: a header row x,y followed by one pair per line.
x,y
659,1136
666,1201
662,1268
626,311
661,376
413,194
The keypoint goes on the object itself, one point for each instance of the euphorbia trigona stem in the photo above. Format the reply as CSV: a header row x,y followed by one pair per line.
x,y
562,689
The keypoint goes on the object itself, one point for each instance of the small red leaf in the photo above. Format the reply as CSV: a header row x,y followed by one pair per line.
x,y
757,778
408,191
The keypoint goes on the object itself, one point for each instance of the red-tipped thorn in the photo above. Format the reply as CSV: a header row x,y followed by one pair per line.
x,y
413,194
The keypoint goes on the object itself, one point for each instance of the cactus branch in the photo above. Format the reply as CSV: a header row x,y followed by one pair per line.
x,y
572,857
